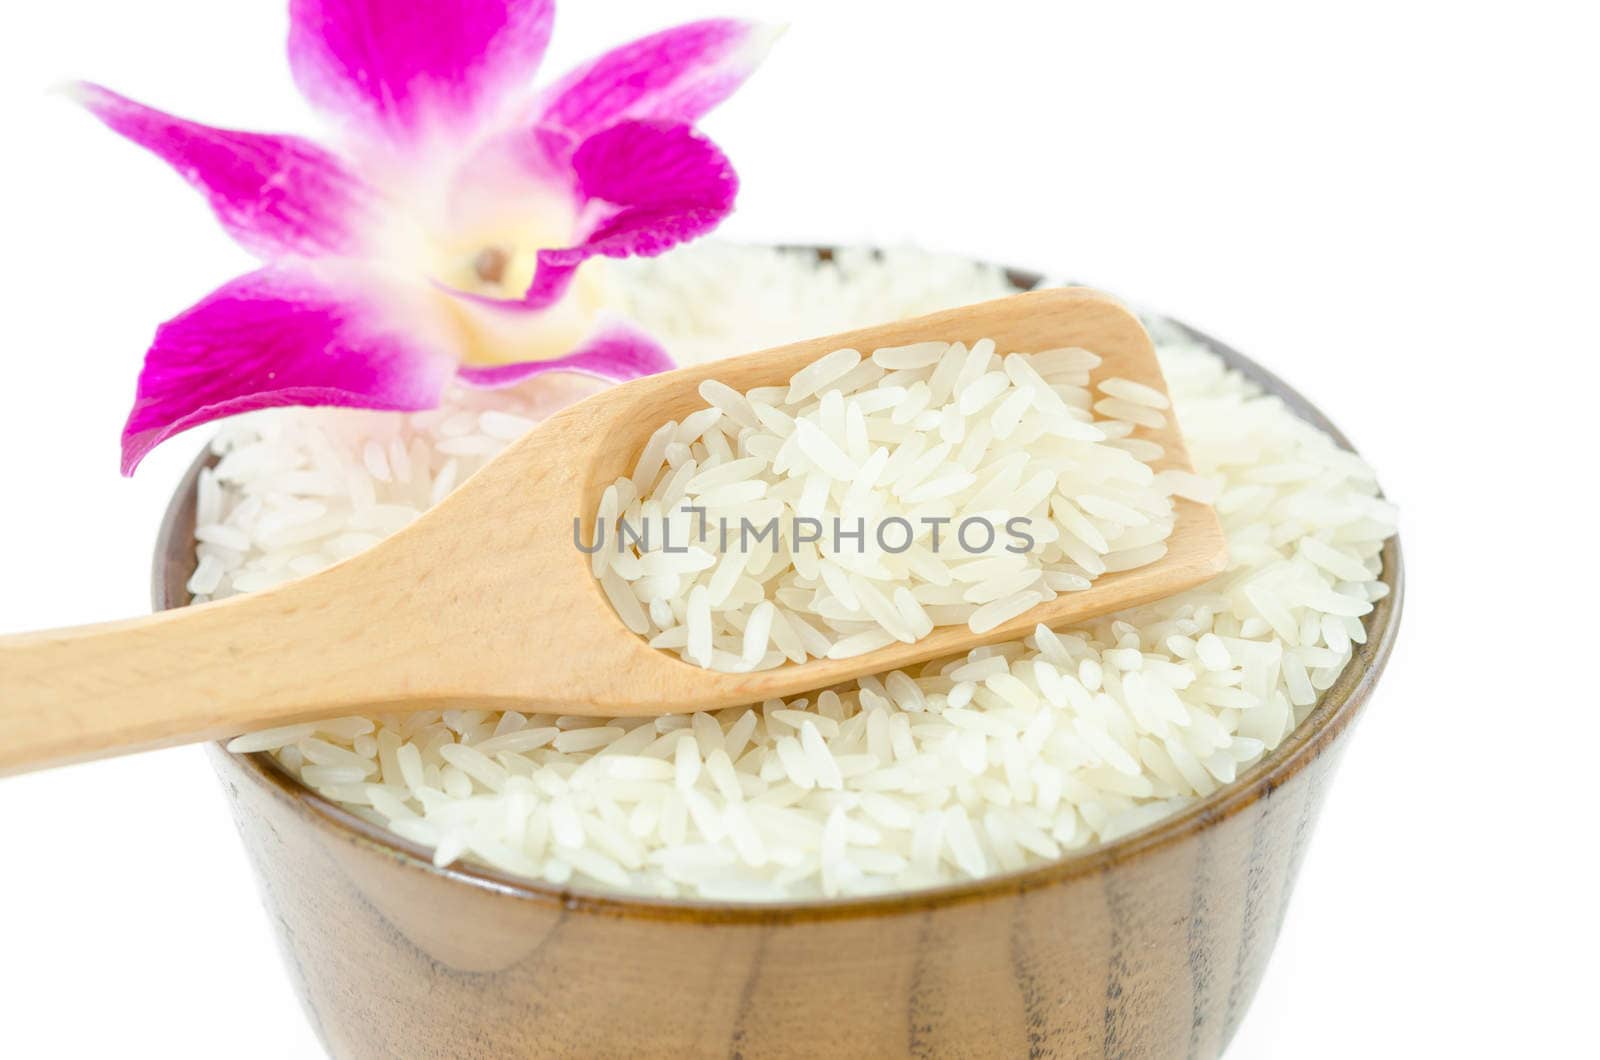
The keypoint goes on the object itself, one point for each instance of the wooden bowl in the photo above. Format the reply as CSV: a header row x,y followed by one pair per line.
x,y
1151,946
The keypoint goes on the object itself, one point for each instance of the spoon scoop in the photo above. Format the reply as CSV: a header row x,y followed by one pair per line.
x,y
485,602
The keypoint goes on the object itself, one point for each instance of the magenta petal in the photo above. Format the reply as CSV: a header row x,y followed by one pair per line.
x,y
402,71
647,186
616,352
276,195
678,74
278,336
653,171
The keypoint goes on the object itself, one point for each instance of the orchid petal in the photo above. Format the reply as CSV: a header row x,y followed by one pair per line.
x,y
276,195
678,74
404,72
616,352
281,336
647,186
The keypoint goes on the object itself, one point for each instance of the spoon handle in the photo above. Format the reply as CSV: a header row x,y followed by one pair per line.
x,y
186,675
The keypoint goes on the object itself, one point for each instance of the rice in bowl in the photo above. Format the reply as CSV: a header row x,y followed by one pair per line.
x,y
1010,757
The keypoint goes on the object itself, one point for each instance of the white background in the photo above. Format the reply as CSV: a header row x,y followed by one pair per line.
x,y
1391,204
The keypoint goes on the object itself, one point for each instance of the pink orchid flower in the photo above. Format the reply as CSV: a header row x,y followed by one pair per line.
x,y
450,239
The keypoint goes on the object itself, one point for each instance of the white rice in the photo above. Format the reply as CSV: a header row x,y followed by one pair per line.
x,y
1014,755
874,499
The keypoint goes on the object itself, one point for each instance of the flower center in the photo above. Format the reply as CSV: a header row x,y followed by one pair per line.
x,y
490,265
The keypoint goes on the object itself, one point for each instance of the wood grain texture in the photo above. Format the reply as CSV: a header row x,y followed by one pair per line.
x,y
486,601
1148,947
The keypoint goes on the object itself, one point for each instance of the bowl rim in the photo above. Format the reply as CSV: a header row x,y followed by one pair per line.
x,y
1341,704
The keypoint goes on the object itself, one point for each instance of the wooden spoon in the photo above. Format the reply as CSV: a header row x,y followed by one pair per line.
x,y
485,602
